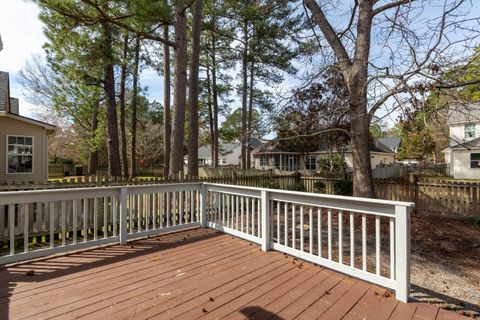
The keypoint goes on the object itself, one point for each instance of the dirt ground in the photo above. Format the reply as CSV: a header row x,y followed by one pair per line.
x,y
446,263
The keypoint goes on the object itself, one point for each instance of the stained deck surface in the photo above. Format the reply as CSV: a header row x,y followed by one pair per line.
x,y
193,274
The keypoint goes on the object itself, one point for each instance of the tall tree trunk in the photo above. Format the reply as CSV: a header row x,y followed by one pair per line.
x,y
123,128
210,116
357,82
360,139
250,116
176,155
215,99
193,91
133,154
244,95
111,108
355,72
93,156
167,124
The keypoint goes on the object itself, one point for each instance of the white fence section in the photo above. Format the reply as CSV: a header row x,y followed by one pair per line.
x,y
366,238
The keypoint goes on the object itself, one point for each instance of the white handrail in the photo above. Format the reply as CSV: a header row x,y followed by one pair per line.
x,y
315,227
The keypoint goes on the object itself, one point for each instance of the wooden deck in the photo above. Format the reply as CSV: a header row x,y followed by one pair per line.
x,y
193,274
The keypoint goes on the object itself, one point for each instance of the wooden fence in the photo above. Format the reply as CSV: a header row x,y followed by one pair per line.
x,y
449,197
433,196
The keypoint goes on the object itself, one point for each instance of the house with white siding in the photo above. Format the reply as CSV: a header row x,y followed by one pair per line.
x,y
463,154
23,141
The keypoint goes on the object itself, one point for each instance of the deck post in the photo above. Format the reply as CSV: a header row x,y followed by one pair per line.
x,y
203,205
402,252
123,215
265,220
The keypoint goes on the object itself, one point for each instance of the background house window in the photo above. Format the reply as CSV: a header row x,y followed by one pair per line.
x,y
474,160
470,132
263,161
310,163
20,154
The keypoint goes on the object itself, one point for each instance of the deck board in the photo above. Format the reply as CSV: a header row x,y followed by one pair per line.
x,y
198,273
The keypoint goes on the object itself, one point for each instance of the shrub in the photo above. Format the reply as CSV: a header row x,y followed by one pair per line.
x,y
332,163
475,220
270,183
343,188
297,186
319,186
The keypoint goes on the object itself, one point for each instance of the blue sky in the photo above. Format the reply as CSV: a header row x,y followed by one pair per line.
x,y
22,36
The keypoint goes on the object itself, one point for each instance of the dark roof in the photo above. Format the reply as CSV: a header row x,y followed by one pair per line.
x,y
225,148
464,113
475,143
271,147
392,143
255,143
276,147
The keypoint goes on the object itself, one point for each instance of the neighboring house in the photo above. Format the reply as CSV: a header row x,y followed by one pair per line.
x,y
463,154
273,156
228,155
23,141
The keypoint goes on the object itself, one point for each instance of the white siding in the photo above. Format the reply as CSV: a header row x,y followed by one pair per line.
x,y
457,132
461,165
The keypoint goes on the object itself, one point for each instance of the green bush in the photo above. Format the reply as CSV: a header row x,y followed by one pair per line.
x,y
297,186
270,184
343,188
332,163
319,187
475,220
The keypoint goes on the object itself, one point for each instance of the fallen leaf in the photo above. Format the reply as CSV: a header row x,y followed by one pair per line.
x,y
30,272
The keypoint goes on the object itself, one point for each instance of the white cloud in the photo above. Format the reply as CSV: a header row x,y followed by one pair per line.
x,y
21,32
22,36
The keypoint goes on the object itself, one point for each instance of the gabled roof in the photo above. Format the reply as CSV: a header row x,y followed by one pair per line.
x,y
272,147
391,143
475,143
464,113
255,143
276,147
224,148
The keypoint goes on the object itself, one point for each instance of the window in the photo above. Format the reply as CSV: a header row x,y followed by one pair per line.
x,y
19,154
470,132
223,161
263,161
474,160
310,163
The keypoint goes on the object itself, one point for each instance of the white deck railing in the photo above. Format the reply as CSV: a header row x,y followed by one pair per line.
x,y
366,238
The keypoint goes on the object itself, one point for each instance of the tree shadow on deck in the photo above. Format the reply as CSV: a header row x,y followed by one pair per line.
x,y
259,313
48,268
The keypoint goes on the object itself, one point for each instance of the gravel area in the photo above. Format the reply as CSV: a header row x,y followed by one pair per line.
x,y
446,263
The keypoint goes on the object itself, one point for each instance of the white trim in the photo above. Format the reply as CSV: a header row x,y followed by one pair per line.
x,y
335,266
6,154
235,233
69,248
30,121
156,232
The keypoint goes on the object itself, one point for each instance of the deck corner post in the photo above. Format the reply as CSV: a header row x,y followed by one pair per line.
x,y
402,252
123,215
203,205
265,220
